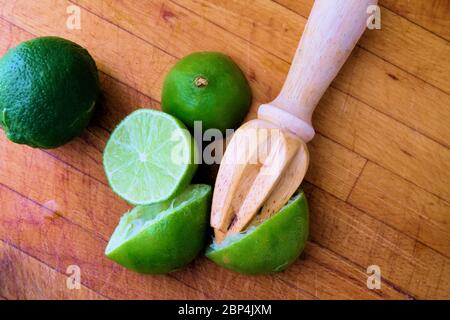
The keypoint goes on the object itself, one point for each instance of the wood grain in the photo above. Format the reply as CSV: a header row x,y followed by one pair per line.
x,y
431,15
349,232
319,274
403,206
386,142
404,44
411,48
333,167
397,94
25,278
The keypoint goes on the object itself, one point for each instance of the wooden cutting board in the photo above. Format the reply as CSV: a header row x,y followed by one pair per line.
x,y
378,186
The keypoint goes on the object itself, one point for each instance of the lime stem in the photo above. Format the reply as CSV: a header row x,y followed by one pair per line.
x,y
201,82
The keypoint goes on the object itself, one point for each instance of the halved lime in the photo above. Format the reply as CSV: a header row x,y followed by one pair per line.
x,y
149,157
269,247
162,237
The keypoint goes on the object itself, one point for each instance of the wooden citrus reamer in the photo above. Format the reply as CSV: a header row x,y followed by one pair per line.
x,y
267,158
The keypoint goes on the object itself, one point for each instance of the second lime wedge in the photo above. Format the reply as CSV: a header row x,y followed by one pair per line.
x,y
269,247
149,157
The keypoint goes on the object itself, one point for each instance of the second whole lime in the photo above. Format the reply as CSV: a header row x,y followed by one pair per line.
x,y
207,87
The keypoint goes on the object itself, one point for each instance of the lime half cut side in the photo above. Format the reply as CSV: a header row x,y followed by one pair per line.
x,y
149,157
269,247
162,237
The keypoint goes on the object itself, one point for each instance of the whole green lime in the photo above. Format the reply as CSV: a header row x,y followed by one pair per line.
x,y
162,237
207,87
269,247
48,90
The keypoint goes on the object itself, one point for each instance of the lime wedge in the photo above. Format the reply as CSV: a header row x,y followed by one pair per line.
x,y
149,157
269,247
162,237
